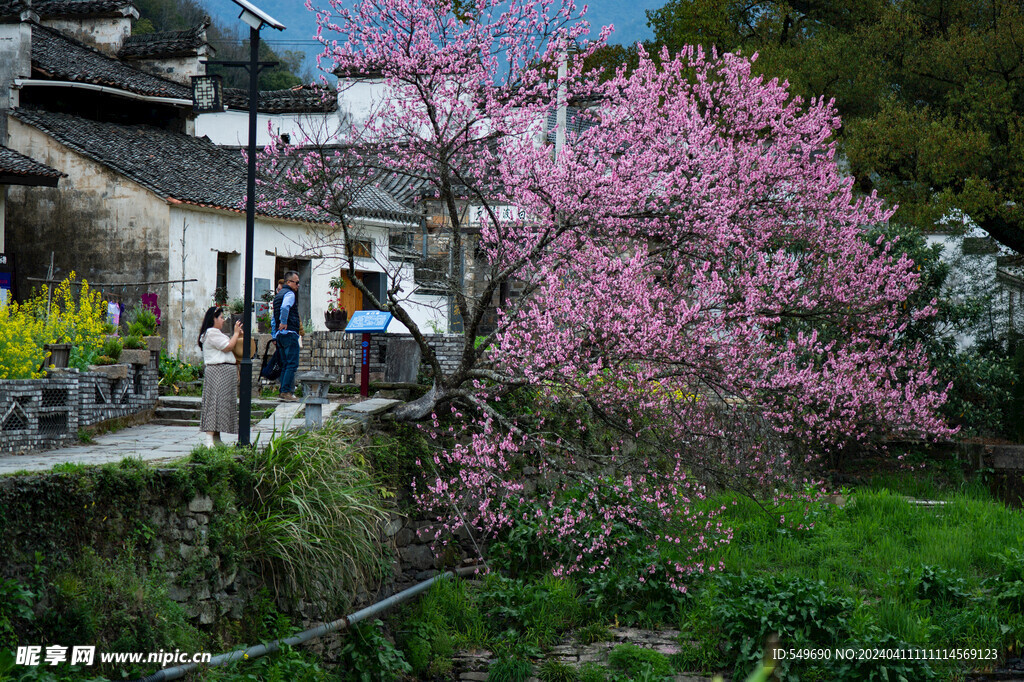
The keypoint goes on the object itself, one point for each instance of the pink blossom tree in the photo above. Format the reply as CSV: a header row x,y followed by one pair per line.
x,y
692,260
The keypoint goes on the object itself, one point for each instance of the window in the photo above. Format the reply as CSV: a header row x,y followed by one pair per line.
x,y
362,248
222,270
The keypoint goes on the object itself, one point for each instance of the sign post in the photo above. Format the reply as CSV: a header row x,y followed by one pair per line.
x,y
367,322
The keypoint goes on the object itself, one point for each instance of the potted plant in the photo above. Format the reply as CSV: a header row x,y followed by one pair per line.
x,y
336,315
263,322
220,297
142,324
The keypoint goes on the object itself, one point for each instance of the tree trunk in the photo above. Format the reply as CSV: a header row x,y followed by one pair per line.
x,y
422,407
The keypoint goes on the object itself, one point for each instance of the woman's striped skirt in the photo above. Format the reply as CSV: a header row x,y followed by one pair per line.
x,y
220,399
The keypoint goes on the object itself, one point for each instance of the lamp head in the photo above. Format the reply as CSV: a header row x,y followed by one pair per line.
x,y
255,17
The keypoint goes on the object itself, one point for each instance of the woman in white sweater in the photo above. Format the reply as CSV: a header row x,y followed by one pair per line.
x,y
220,381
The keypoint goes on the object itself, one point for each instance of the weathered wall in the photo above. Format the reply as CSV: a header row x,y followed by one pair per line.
x,y
178,69
15,62
97,223
231,128
106,34
184,526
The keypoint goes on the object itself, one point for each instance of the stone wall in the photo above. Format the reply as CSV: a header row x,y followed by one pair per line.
x,y
184,527
337,353
37,414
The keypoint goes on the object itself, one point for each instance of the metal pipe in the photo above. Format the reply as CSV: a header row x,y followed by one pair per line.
x,y
319,631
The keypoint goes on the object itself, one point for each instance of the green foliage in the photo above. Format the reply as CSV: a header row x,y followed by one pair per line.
x,y
509,668
936,584
369,656
288,665
15,605
141,321
799,611
134,342
627,586
636,661
555,671
112,348
592,672
112,601
926,91
174,370
594,632
314,516
530,613
398,452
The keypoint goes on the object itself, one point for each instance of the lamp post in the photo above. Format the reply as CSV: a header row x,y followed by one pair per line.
x,y
256,19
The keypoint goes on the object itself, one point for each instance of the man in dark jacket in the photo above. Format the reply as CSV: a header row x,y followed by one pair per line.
x,y
286,333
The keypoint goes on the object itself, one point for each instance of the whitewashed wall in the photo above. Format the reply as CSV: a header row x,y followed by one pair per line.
x,y
231,128
210,232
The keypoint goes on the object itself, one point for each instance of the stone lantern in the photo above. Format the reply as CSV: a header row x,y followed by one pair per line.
x,y
315,385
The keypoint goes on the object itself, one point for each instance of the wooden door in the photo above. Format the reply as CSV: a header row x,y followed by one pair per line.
x,y
351,297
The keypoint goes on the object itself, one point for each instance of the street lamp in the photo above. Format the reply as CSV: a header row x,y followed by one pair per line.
x,y
256,19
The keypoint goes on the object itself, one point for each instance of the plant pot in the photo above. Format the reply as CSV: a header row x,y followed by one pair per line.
x,y
335,320
60,353
153,343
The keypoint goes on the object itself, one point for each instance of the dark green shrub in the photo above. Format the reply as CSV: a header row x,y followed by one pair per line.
x,y
936,584
509,668
592,672
635,661
112,349
594,632
539,611
142,322
556,671
798,610
15,605
369,656
134,342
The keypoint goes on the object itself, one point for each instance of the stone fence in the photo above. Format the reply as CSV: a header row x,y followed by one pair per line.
x,y
36,414
338,354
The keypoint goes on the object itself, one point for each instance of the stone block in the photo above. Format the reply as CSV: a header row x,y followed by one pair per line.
x,y
201,503
135,356
418,557
111,371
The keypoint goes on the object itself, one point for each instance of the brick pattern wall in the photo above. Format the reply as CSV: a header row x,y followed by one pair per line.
x,y
36,414
337,353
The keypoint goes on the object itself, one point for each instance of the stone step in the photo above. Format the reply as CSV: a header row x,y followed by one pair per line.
x,y
175,422
195,402
176,413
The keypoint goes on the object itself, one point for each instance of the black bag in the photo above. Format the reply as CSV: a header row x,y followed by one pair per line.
x,y
270,368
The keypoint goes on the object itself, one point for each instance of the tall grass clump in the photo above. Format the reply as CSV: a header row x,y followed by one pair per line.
x,y
315,518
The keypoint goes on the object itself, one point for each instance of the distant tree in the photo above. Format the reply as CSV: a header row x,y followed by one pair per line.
x,y
931,91
180,15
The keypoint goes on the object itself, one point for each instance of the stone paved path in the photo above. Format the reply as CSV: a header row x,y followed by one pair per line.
x,y
150,442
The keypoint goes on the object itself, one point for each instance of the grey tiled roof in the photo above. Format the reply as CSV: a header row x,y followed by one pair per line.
x,y
13,163
172,165
65,8
387,195
297,100
164,44
59,57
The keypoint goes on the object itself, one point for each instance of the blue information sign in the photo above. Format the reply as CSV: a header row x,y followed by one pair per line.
x,y
368,322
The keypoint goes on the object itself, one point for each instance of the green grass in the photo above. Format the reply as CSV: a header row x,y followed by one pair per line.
x,y
859,546
924,576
